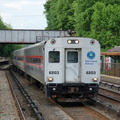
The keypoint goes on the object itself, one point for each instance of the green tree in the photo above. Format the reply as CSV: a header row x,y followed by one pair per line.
x,y
6,50
59,14
65,14
51,14
4,25
105,24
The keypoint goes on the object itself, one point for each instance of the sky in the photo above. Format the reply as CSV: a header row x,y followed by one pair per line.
x,y
23,14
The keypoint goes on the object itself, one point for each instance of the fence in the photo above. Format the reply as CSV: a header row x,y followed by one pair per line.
x,y
112,69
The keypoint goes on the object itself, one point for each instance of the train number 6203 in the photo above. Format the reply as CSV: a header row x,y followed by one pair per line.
x,y
90,72
53,72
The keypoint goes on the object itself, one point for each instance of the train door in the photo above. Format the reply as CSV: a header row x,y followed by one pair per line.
x,y
72,66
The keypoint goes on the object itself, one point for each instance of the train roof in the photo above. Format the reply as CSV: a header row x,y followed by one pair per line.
x,y
58,38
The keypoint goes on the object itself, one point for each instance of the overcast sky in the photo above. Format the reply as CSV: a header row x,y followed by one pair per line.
x,y
23,14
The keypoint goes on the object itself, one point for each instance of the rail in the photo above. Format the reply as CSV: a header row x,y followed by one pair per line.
x,y
21,115
111,85
32,104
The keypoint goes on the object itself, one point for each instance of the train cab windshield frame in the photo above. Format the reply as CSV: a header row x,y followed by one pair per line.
x,y
54,56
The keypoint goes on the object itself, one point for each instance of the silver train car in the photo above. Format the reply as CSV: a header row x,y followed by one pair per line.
x,y
63,67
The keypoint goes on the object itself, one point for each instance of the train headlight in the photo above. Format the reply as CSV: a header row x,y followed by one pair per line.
x,y
73,41
76,41
50,79
95,79
69,41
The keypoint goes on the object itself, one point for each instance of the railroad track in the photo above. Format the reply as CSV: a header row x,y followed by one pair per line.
x,y
50,113
115,96
73,111
79,111
83,109
1,67
110,84
4,67
21,115
26,95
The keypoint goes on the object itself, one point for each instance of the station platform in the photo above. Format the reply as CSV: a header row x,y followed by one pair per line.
x,y
8,110
4,61
110,78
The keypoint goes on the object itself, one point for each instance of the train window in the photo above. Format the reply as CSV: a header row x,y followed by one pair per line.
x,y
72,57
30,60
36,60
54,56
14,57
20,58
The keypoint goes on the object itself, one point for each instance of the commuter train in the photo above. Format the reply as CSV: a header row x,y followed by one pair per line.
x,y
63,67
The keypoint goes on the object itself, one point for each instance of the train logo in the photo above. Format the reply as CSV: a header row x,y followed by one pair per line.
x,y
91,55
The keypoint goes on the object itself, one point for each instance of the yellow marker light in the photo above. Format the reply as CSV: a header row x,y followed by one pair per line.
x,y
50,79
95,79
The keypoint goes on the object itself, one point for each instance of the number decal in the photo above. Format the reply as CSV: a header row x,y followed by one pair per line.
x,y
90,72
53,72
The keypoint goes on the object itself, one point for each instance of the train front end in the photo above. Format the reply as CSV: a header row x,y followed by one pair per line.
x,y
72,67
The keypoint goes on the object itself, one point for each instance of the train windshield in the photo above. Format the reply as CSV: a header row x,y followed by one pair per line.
x,y
54,56
72,57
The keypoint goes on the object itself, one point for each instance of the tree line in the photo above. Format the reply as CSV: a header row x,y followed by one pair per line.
x,y
6,50
4,25
98,19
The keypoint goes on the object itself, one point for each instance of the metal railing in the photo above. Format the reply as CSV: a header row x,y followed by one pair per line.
x,y
112,69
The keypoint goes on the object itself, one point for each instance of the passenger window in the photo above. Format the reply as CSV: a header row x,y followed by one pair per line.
x,y
54,56
72,57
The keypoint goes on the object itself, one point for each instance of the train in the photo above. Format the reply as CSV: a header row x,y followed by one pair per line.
x,y
66,67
